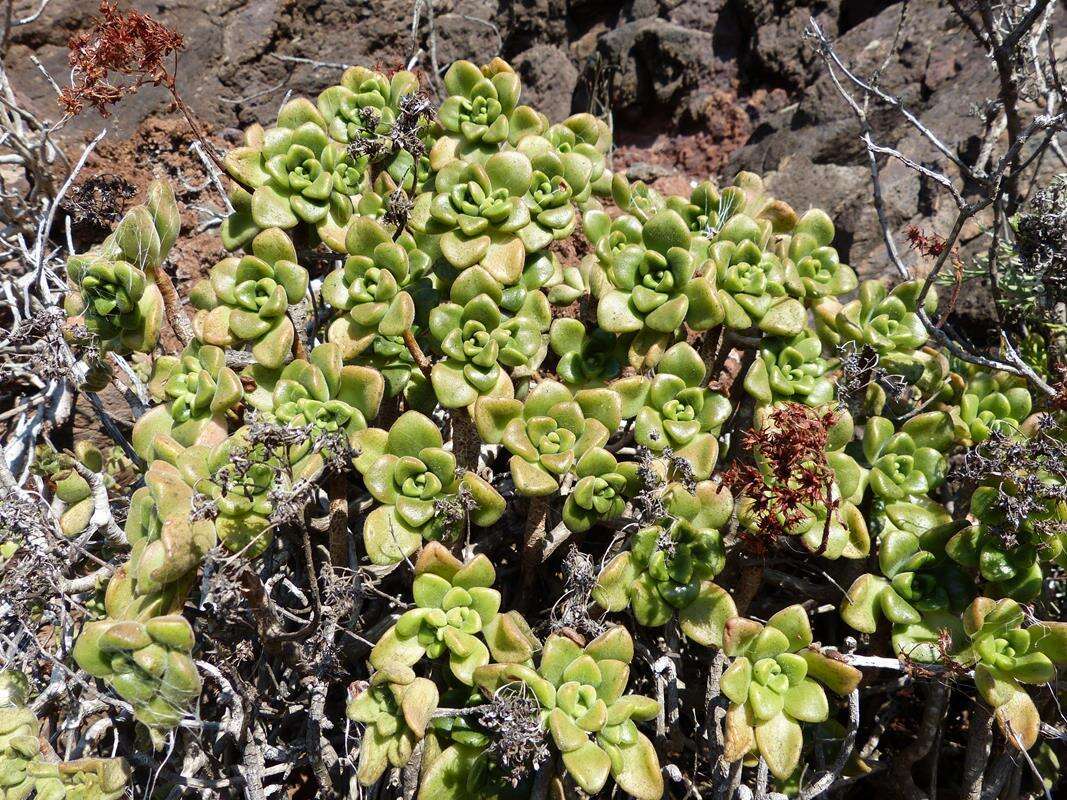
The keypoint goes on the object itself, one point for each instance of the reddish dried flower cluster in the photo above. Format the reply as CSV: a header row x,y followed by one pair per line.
x,y
129,44
790,473
933,246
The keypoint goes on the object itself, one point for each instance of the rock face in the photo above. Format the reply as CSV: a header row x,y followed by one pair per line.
x,y
694,87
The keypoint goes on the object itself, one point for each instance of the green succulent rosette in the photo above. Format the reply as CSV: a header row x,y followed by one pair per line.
x,y
390,356
550,201
167,543
887,321
408,471
668,567
562,285
480,345
244,300
19,745
290,175
791,369
1006,656
591,720
901,467
367,103
548,433
148,664
920,591
990,402
455,616
636,198
376,288
396,707
647,287
775,682
23,768
588,358
1011,565
197,393
673,409
113,285
752,284
818,267
81,779
325,393
744,207
73,495
603,488
475,214
580,144
481,114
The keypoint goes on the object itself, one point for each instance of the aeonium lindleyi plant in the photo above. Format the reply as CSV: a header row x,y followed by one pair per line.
x,y
293,174
548,433
674,409
246,299
113,285
909,462
1007,654
920,591
667,569
647,286
396,706
408,471
456,616
791,369
375,290
775,681
580,688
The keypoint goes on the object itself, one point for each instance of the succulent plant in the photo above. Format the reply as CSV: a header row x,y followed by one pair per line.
x,y
478,343
817,264
548,432
76,504
603,487
478,212
775,682
752,284
592,723
167,543
325,393
990,402
920,591
668,568
113,286
579,143
1011,566
900,466
1006,655
366,104
293,174
647,287
587,358
481,113
454,605
148,663
408,471
791,369
374,288
673,409
246,299
82,779
884,320
24,768
196,391
731,212
396,707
